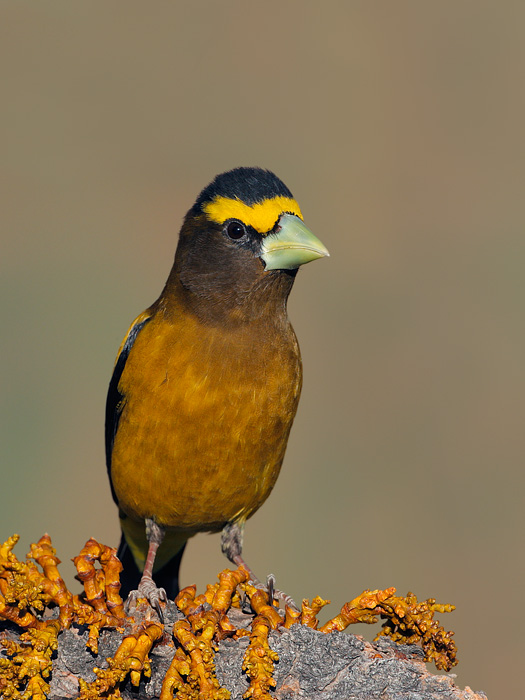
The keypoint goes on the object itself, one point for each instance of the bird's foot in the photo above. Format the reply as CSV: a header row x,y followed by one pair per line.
x,y
155,596
231,542
275,594
269,587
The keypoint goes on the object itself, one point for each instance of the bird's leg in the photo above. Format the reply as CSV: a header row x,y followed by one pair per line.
x,y
147,587
231,544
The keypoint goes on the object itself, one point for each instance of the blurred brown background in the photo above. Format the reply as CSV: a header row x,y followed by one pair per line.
x,y
399,128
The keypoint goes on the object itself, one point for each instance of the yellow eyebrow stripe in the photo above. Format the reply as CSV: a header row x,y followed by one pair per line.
x,y
261,216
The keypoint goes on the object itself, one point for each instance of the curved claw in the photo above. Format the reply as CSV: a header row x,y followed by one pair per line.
x,y
131,601
270,586
275,593
156,605
155,596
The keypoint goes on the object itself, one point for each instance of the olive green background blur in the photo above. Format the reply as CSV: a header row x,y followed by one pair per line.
x,y
399,128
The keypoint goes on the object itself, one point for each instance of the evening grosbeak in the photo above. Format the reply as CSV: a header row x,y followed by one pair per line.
x,y
207,380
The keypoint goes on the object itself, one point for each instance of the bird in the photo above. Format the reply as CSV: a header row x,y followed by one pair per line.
x,y
206,382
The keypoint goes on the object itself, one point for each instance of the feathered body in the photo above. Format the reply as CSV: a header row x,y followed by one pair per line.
x,y
207,381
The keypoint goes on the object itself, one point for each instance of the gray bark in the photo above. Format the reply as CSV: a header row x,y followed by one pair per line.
x,y
312,665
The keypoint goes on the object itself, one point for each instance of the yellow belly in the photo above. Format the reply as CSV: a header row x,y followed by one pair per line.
x,y
204,427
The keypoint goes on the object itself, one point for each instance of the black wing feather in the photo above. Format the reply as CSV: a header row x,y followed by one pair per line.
x,y
114,402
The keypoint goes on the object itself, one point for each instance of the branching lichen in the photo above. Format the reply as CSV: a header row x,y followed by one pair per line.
x,y
34,598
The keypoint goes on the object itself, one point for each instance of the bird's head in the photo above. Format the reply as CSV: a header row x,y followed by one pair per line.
x,y
244,234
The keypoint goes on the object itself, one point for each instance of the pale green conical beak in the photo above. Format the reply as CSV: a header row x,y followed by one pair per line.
x,y
291,245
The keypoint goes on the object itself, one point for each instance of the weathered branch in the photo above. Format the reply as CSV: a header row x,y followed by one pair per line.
x,y
230,641
335,666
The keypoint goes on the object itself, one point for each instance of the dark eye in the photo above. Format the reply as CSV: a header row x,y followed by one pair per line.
x,y
235,230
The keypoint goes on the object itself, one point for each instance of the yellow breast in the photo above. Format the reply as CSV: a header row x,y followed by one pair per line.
x,y
205,422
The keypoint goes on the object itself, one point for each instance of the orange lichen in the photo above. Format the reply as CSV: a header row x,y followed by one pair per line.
x,y
201,681
96,621
130,658
407,622
192,671
101,586
173,680
410,622
186,601
28,663
27,592
45,555
102,605
364,608
259,660
21,588
261,605
291,617
227,588
309,611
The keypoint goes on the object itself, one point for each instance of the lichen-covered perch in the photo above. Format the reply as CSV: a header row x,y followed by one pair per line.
x,y
227,642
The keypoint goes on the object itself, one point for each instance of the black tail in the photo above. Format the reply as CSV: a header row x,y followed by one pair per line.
x,y
167,577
